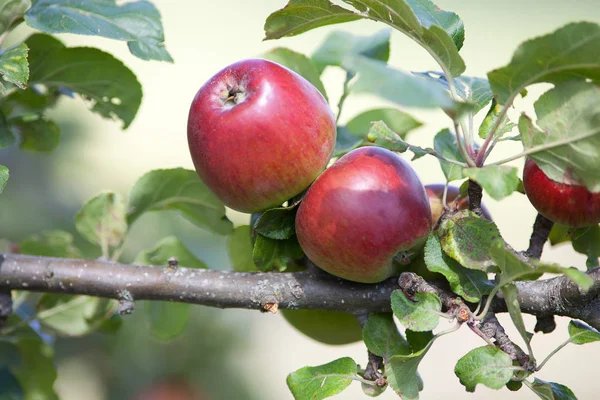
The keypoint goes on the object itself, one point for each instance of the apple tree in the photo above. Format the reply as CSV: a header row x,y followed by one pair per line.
x,y
342,237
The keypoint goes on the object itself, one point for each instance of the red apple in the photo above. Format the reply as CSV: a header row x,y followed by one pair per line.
x,y
435,192
361,213
259,134
568,204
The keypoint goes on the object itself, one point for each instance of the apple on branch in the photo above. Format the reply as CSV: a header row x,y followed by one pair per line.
x,y
259,134
364,216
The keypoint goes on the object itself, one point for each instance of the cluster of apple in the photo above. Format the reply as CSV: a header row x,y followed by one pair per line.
x,y
260,134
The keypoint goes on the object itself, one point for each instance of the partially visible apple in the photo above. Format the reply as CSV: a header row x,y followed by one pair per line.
x,y
366,211
259,134
572,205
435,192
329,327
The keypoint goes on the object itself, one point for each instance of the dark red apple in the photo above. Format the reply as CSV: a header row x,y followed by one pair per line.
x,y
435,192
259,134
362,214
568,204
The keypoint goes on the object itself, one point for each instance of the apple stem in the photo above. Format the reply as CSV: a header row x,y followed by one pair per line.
x,y
539,236
475,194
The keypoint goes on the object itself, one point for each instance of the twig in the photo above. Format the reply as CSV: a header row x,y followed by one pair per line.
x,y
491,327
539,236
475,195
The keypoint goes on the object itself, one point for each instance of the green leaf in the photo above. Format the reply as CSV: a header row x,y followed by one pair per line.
x,y
418,340
470,284
239,246
566,148
474,90
27,105
180,190
398,121
167,320
298,63
271,254
167,248
587,241
467,239
372,390
511,299
36,373
70,315
486,365
382,338
10,389
102,221
39,135
3,177
55,243
402,375
498,181
446,145
551,390
10,11
384,137
420,314
14,67
138,23
406,89
278,223
569,53
339,44
299,16
322,381
110,86
582,334
490,119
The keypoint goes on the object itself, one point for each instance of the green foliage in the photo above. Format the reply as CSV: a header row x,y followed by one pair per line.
x,y
102,221
420,314
467,239
36,372
53,243
446,145
136,22
402,374
109,85
486,365
240,247
269,254
382,338
3,177
9,386
582,334
277,223
180,190
381,135
14,67
511,294
12,10
491,118
322,381
566,147
569,53
551,390
498,181
339,44
470,284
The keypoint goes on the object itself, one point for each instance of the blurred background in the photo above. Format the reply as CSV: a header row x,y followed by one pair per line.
x,y
237,354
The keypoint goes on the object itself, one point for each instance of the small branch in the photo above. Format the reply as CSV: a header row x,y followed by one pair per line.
x,y
539,236
491,327
483,153
345,92
6,306
475,194
310,289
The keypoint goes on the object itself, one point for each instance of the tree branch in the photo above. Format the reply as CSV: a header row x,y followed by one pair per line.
x,y
310,289
475,194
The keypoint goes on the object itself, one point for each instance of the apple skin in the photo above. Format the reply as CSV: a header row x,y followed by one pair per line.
x,y
571,205
329,327
361,212
435,192
259,134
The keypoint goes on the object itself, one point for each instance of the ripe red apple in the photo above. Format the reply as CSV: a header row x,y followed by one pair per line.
x,y
435,192
259,134
568,204
361,213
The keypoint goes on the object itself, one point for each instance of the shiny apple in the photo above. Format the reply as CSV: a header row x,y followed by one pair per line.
x,y
568,204
363,214
259,134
